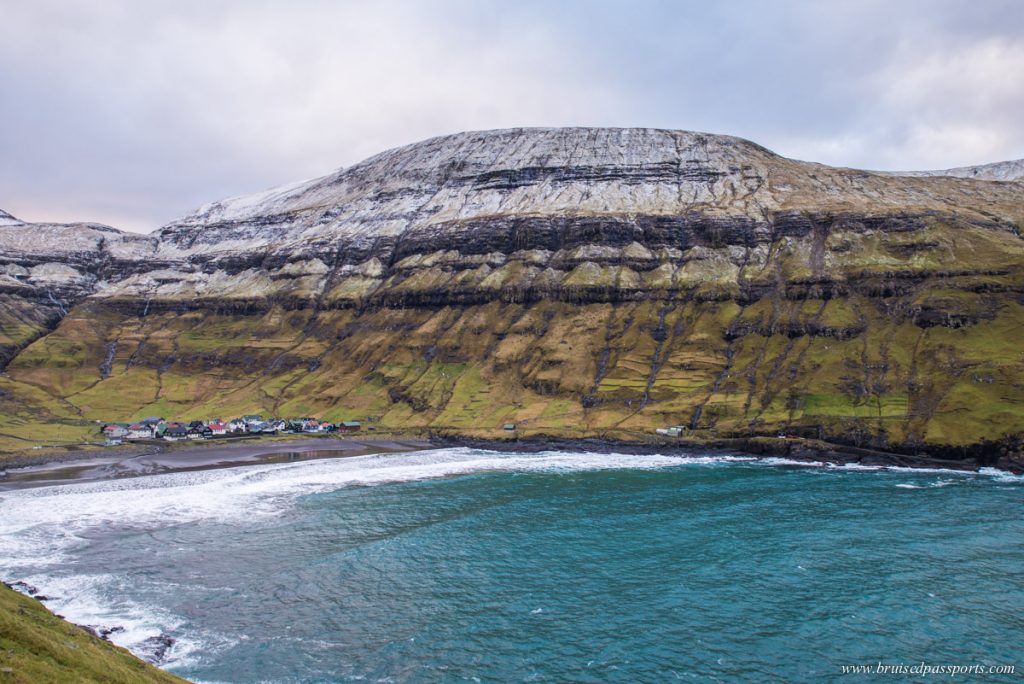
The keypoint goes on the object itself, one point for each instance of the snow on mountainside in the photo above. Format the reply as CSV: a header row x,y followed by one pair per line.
x,y
519,157
423,187
544,197
66,260
36,240
456,189
6,219
998,171
547,170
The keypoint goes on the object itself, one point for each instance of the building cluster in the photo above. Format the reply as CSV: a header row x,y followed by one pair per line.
x,y
158,428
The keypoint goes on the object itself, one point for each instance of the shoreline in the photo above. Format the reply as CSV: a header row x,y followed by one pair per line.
x,y
796,449
151,458
143,460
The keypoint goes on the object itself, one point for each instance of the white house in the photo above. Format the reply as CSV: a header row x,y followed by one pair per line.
x,y
139,431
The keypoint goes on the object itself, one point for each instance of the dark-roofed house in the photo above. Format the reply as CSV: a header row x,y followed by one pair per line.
x,y
175,431
197,430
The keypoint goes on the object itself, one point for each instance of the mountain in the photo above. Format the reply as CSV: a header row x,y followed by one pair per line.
x,y
573,281
47,267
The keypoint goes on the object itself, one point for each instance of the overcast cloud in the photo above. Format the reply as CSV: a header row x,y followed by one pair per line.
x,y
133,114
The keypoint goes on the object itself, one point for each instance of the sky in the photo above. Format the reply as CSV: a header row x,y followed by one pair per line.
x,y
135,113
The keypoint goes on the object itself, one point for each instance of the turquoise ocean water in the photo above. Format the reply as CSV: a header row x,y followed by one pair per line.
x,y
465,565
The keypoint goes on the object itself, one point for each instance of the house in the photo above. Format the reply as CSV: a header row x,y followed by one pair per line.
x,y
197,430
252,420
314,425
217,428
115,431
152,420
509,426
139,431
349,426
236,425
175,432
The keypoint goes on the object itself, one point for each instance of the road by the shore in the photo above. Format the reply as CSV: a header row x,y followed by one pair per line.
x,y
151,459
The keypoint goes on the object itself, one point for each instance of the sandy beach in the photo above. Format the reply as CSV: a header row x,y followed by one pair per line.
x,y
152,459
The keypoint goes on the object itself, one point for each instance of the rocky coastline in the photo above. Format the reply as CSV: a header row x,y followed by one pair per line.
x,y
794,449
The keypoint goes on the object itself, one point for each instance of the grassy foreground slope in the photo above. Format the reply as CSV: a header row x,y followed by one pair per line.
x,y
37,646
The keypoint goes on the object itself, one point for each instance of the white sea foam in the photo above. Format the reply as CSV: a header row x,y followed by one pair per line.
x,y
99,601
40,529
930,485
37,524
779,461
1001,475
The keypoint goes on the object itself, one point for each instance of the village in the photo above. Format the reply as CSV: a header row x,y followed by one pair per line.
x,y
157,428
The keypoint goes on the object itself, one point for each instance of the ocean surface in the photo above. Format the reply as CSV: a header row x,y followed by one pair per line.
x,y
467,565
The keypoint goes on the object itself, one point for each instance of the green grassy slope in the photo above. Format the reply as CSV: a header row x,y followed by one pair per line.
x,y
550,366
37,646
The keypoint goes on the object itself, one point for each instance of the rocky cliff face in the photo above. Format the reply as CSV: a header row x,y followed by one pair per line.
x,y
46,268
568,279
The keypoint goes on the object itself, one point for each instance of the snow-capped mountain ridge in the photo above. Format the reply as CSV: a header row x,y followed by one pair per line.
x,y
7,220
561,195
541,150
998,171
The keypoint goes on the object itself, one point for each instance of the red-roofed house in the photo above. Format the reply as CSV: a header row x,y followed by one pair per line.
x,y
114,431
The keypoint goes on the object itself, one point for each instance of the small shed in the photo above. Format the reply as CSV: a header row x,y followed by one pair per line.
x,y
509,426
